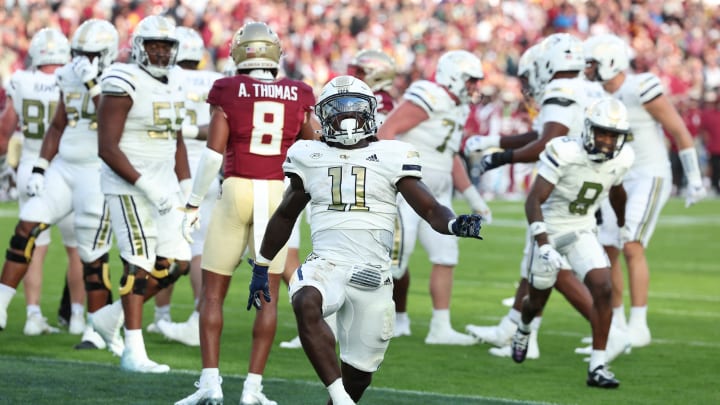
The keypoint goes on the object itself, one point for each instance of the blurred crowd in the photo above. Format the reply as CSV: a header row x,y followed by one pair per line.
x,y
677,40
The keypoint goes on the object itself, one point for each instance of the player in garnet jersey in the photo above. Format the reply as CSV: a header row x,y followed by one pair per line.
x,y
254,120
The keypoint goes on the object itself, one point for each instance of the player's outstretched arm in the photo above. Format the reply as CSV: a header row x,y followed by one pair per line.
x,y
528,153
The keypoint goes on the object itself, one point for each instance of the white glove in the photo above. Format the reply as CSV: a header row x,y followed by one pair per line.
x,y
190,222
155,194
35,184
85,69
478,143
545,274
478,204
190,131
694,193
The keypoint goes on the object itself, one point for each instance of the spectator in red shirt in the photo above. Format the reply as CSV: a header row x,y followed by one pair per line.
x,y
710,132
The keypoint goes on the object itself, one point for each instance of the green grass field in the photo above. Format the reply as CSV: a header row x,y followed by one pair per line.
x,y
680,367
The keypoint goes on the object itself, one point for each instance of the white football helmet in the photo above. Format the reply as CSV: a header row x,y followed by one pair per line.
x,y
191,45
374,67
153,28
607,115
49,47
454,69
559,53
256,46
97,36
526,69
611,53
346,109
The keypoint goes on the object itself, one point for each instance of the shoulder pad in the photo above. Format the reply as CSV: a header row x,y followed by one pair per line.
x,y
562,151
429,96
563,92
649,87
120,78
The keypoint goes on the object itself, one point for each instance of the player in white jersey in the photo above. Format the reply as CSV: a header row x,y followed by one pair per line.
x,y
574,175
196,85
139,117
563,97
33,98
349,182
431,118
648,182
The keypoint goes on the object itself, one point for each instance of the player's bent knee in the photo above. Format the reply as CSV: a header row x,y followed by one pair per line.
x,y
97,274
22,247
131,283
167,273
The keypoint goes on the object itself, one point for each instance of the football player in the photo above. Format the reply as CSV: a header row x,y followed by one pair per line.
x,y
350,182
139,117
649,181
254,119
33,98
428,109
197,84
574,175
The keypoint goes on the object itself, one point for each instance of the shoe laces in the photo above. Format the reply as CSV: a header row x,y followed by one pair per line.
x,y
604,372
521,340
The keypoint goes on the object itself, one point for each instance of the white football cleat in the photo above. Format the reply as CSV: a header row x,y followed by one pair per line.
x,y
77,324
187,333
3,318
252,395
533,351
508,302
448,336
639,335
36,325
293,343
90,340
499,336
210,394
141,364
587,340
402,325
107,322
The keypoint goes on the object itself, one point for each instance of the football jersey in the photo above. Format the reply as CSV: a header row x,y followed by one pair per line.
x,y
265,118
438,138
647,140
580,183
352,191
149,136
35,97
196,85
564,101
79,140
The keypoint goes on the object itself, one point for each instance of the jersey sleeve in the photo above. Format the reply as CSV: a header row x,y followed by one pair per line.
x,y
559,153
215,97
408,161
13,85
119,80
426,95
649,87
293,161
557,103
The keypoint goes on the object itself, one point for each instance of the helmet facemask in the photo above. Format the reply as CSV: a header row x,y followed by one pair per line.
x,y
606,129
347,118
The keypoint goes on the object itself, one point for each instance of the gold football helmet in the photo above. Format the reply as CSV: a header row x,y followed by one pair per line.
x,y
256,46
375,68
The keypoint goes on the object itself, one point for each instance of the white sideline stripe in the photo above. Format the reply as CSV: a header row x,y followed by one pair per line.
x,y
284,380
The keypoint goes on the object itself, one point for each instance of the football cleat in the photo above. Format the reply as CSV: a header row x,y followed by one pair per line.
x,y
90,340
499,335
187,333
77,324
639,335
141,364
402,326
519,345
294,343
210,394
448,336
36,325
252,395
506,351
601,377
153,327
3,318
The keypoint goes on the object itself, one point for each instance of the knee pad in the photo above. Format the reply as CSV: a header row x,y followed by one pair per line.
x,y
24,244
166,275
102,271
130,283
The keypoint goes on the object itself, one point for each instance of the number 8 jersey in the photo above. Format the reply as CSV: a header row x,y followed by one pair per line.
x,y
580,184
265,118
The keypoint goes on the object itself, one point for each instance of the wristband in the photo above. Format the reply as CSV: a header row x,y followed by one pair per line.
x,y
90,84
690,165
40,165
190,131
94,90
538,227
450,226
261,260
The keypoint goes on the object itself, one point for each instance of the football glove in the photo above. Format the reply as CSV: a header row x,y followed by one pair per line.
x,y
694,193
495,160
87,71
466,226
190,222
478,143
258,286
545,274
155,194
